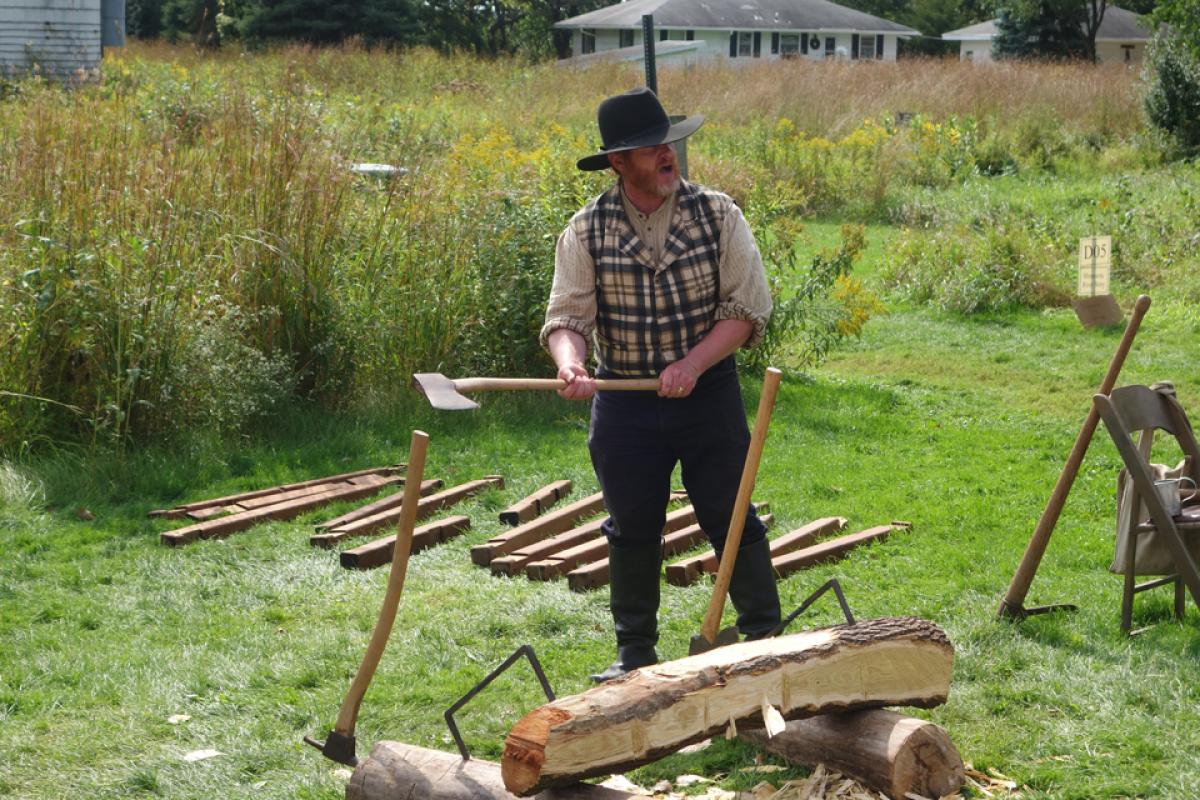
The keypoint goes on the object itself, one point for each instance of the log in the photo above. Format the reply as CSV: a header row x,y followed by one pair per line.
x,y
379,552
426,507
656,710
833,549
181,511
398,771
289,509
886,751
536,503
687,571
538,529
594,575
391,501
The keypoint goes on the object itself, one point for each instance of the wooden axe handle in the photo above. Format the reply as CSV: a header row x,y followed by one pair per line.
x,y
469,385
737,522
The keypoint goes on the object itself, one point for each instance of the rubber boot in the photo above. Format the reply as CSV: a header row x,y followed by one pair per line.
x,y
633,598
752,591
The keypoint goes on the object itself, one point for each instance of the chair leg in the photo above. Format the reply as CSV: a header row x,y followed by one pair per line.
x,y
1179,599
1130,582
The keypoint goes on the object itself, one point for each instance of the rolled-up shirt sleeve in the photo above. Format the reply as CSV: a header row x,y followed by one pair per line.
x,y
744,291
573,293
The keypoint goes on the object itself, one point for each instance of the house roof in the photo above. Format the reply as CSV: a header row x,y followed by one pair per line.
x,y
790,15
1117,25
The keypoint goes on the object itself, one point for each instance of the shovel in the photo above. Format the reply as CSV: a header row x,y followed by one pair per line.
x,y
709,638
445,394
339,745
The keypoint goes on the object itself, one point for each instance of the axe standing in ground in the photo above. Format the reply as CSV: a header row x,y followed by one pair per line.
x,y
663,279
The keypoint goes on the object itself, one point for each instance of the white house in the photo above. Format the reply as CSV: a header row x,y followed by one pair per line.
x,y
1121,38
742,31
58,37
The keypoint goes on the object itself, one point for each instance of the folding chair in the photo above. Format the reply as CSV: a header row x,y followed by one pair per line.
x,y
1140,408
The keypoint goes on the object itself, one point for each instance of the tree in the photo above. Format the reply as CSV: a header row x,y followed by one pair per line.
x,y
193,20
1183,17
1048,29
1172,97
331,21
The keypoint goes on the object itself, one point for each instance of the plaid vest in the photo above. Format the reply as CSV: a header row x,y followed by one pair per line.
x,y
650,315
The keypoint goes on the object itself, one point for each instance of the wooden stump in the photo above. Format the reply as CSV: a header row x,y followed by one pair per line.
x,y
656,710
886,751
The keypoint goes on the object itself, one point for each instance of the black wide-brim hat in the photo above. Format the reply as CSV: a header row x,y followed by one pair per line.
x,y
635,119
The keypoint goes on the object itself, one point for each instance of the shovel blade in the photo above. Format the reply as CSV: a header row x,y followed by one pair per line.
x,y
702,645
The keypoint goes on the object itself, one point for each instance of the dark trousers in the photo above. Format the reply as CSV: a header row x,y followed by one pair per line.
x,y
636,439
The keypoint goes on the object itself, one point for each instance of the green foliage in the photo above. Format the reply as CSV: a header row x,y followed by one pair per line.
x,y
326,22
815,307
1172,96
1047,29
1183,17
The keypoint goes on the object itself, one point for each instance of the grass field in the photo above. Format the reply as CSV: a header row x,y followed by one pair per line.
x,y
957,423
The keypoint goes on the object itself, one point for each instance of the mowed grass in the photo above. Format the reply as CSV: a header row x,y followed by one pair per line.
x,y
960,427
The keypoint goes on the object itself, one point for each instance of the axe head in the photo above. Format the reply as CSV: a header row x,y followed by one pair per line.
x,y
700,644
441,392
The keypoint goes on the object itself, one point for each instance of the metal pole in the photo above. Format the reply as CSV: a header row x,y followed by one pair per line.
x,y
648,48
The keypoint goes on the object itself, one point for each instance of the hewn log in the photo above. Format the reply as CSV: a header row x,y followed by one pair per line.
x,y
379,552
178,512
886,751
391,501
594,575
398,771
832,549
543,527
656,710
289,509
535,504
687,571
427,505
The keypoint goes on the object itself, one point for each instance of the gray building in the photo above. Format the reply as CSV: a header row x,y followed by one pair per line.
x,y
58,38
1121,39
739,31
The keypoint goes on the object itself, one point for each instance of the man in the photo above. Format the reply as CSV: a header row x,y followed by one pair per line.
x,y
664,278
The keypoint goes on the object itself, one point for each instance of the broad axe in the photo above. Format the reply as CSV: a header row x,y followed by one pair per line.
x,y
449,395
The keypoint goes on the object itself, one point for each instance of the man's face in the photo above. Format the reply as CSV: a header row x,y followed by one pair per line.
x,y
651,170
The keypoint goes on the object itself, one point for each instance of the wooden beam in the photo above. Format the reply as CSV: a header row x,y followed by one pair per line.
x,y
594,575
181,511
289,509
832,549
563,561
687,571
536,503
426,507
656,710
543,527
391,501
396,770
379,552
891,753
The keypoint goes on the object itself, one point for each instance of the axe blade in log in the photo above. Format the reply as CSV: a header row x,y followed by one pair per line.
x,y
445,394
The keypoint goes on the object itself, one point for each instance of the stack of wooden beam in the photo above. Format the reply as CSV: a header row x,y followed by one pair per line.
x,y
223,516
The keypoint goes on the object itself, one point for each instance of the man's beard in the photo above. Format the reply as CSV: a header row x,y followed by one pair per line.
x,y
668,190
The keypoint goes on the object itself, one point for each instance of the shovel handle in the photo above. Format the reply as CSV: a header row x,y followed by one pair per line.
x,y
737,522
348,714
469,385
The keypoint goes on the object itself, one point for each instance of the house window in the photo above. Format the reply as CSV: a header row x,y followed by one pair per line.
x,y
830,46
676,36
587,40
789,45
745,44
866,47
626,39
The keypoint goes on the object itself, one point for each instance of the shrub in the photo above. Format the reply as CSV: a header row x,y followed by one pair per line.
x,y
1172,97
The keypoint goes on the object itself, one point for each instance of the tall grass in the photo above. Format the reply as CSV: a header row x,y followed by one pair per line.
x,y
183,244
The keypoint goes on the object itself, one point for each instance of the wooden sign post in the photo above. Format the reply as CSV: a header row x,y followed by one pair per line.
x,y
1095,305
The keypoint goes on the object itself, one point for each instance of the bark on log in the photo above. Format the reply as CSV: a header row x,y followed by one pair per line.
x,y
656,710
832,549
886,751
379,552
562,561
687,571
426,506
536,503
289,509
594,575
181,511
391,501
398,771
543,527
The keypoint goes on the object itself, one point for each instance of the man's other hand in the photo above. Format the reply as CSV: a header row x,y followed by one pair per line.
x,y
678,379
580,385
